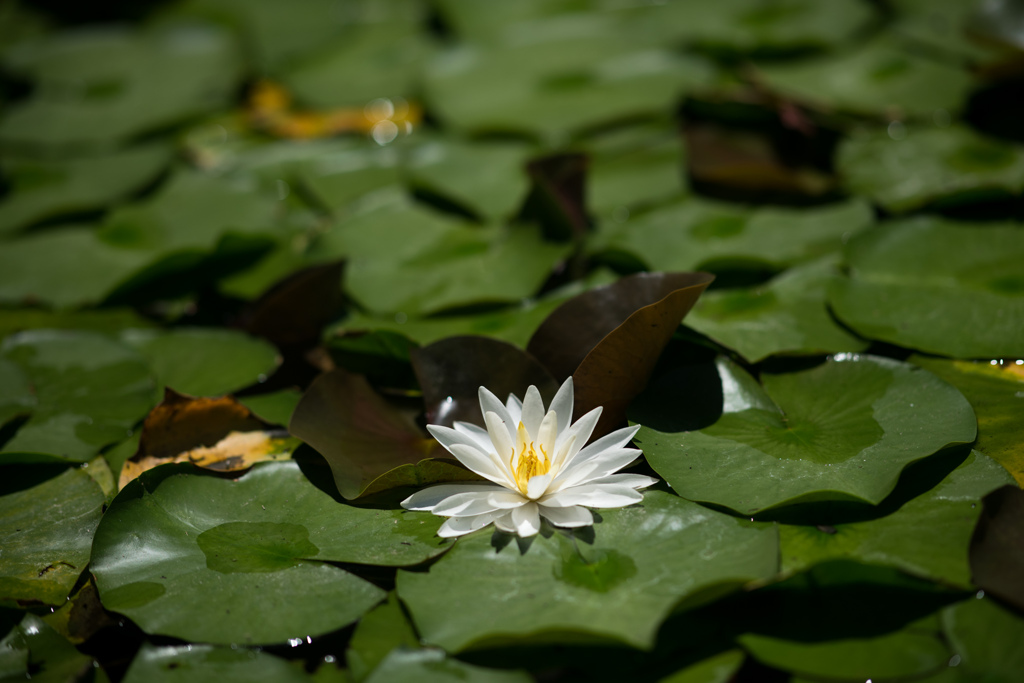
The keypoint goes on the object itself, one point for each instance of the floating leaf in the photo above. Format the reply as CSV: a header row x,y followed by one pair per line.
x,y
609,338
699,234
997,547
369,445
451,372
113,390
997,396
985,639
926,537
33,650
432,666
209,664
295,310
842,431
720,668
204,362
275,408
972,311
926,165
175,543
381,630
787,315
46,533
617,586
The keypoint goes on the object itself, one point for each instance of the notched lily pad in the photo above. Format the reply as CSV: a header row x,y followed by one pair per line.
x,y
369,444
619,584
843,430
610,337
176,542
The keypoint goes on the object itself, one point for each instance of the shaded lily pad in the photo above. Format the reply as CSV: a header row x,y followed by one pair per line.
x,y
984,638
33,650
609,338
997,551
113,390
787,315
369,444
97,85
699,234
997,395
878,77
381,630
973,310
642,561
926,165
209,664
204,362
432,666
275,408
842,431
927,537
175,542
720,668
46,535
45,189
16,395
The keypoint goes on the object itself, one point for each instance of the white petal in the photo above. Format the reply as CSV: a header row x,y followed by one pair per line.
x,y
562,405
429,497
573,516
537,486
547,433
504,523
473,503
448,437
482,463
533,412
616,439
526,520
582,430
515,408
478,434
500,441
593,495
490,403
584,471
458,526
634,481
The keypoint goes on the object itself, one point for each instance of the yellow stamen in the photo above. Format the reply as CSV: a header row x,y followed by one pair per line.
x,y
529,465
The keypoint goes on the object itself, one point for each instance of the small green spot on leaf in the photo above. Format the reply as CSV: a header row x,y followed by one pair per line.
x,y
255,546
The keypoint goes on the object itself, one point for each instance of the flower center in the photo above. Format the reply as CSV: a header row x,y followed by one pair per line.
x,y
528,464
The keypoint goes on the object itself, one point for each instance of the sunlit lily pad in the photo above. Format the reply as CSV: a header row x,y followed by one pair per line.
x,y
926,165
927,536
697,234
642,561
842,431
97,85
787,315
209,664
878,77
46,535
113,390
175,543
45,189
937,286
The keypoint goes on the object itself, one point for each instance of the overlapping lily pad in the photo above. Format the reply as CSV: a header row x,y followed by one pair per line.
x,y
634,168
432,666
208,664
175,542
927,165
927,536
113,390
935,285
34,650
787,315
46,535
842,431
699,234
984,638
381,630
619,586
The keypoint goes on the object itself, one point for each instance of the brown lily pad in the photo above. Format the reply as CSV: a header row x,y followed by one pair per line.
x,y
214,433
451,372
609,338
369,444
997,546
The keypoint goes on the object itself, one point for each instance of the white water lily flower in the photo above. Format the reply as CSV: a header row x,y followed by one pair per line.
x,y
538,465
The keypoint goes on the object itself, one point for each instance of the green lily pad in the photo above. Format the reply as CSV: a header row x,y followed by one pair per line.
x,y
910,652
204,362
936,286
33,650
432,666
337,174
786,315
842,431
175,543
275,408
695,234
46,535
380,631
985,639
720,668
878,77
209,664
634,169
945,26
113,390
16,395
928,536
997,396
107,320
926,165
642,561
97,85
488,179
45,189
